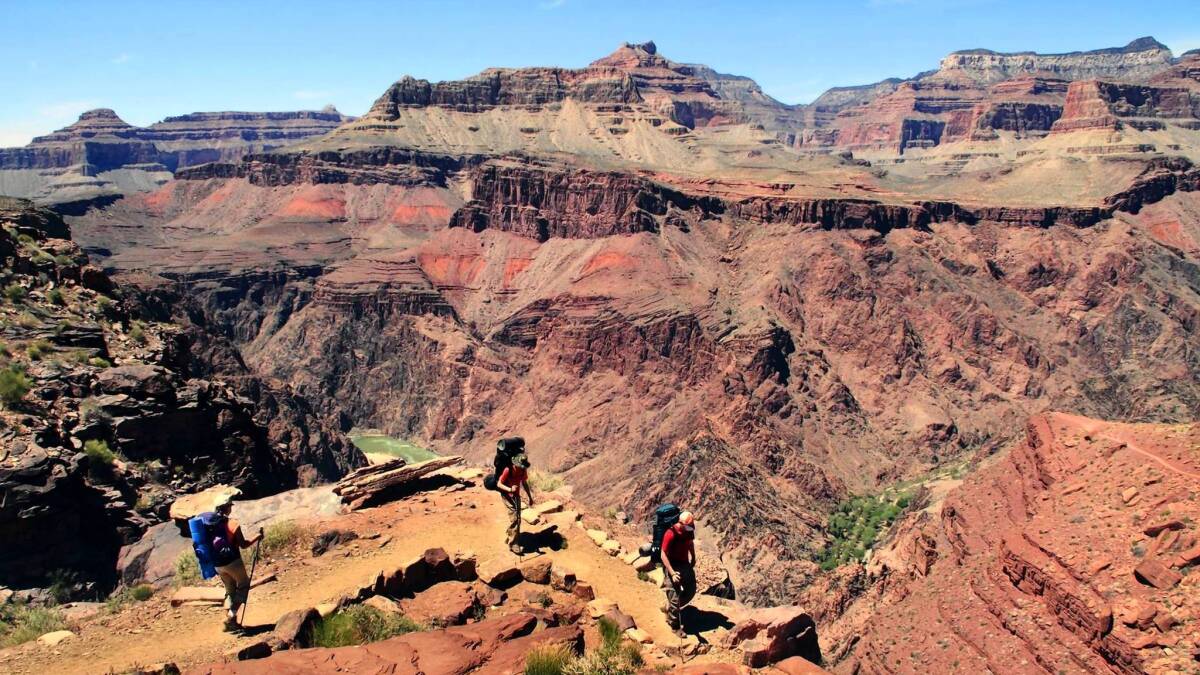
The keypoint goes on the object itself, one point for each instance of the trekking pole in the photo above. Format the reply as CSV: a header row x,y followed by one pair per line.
x,y
250,580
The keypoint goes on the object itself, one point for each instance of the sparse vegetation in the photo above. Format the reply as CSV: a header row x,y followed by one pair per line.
x,y
137,332
614,656
127,596
187,569
14,292
856,523
284,536
38,349
55,296
14,385
544,482
98,451
358,625
22,623
99,362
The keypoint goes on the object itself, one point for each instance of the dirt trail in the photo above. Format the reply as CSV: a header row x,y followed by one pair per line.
x,y
153,632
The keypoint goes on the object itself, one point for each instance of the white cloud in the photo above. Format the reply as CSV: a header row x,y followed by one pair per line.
x,y
123,57
47,118
311,95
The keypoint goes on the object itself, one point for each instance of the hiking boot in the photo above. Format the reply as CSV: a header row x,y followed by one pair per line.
x,y
516,549
680,633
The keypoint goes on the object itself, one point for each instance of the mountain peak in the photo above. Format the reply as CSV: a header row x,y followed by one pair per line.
x,y
633,55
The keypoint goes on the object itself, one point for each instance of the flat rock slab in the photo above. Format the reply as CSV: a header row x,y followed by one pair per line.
x,y
1154,573
55,637
209,594
446,604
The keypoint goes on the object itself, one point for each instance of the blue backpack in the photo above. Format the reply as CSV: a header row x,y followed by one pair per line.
x,y
210,540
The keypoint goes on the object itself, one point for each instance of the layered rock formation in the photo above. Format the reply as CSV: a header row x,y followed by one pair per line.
x,y
109,414
1074,572
102,157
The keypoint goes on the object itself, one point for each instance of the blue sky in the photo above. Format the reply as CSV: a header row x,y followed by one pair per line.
x,y
147,60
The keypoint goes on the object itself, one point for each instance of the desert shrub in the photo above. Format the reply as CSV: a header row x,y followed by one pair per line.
x,y
14,384
14,292
283,536
99,362
55,296
548,660
613,657
545,482
27,320
22,623
98,451
187,569
137,332
64,260
127,596
358,625
37,349
62,585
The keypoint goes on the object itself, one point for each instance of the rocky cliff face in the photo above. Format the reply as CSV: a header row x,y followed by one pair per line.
x,y
100,157
110,412
1137,60
1074,572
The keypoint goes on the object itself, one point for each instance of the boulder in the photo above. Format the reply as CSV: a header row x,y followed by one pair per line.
x,y
293,629
500,572
644,564
562,579
772,634
1160,527
385,605
583,591
1154,573
598,537
530,517
623,620
330,539
259,649
190,506
638,635
446,604
599,607
488,596
139,381
537,571
53,638
439,566
464,566
797,665
611,547
378,482
500,643
548,506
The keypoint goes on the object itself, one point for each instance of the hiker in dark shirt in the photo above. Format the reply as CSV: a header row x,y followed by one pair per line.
x,y
679,565
509,484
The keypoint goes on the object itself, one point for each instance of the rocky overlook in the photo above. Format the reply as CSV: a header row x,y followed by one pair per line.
x,y
679,289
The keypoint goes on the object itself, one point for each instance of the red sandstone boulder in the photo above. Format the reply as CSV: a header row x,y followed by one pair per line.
x,y
449,603
1154,573
292,630
769,635
493,646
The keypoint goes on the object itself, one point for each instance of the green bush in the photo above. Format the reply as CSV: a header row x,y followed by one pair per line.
x,y
99,362
14,292
98,451
37,349
548,660
856,524
187,569
358,625
13,385
55,296
137,333
613,657
22,623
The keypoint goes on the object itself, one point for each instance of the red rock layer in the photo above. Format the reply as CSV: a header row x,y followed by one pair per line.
x,y
1058,558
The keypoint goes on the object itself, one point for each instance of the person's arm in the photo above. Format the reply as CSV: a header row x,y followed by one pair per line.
x,y
666,561
500,483
528,490
692,550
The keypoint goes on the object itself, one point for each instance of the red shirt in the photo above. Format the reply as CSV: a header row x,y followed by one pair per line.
x,y
513,476
677,545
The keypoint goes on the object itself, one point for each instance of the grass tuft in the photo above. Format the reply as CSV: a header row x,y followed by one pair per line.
x,y
283,536
187,569
548,660
14,385
359,625
22,623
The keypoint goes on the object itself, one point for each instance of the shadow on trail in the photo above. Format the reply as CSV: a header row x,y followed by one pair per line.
x,y
536,541
697,621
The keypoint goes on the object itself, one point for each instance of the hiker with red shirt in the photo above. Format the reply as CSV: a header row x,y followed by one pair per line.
x,y
679,563
509,484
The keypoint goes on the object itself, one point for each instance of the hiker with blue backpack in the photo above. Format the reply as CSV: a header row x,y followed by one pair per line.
x,y
218,542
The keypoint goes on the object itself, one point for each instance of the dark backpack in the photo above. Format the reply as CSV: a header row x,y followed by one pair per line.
x,y
665,517
506,450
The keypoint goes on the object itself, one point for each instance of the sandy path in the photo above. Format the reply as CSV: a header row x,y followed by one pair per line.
x,y
153,632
